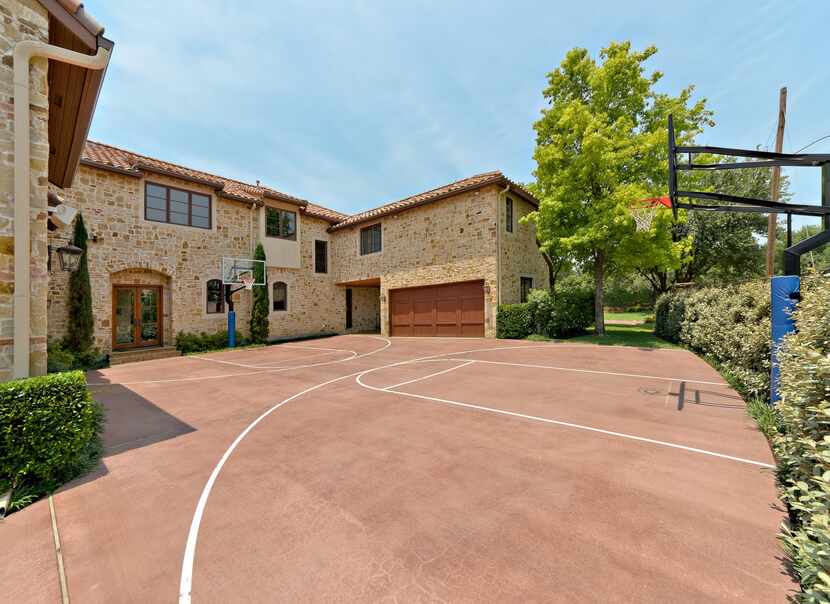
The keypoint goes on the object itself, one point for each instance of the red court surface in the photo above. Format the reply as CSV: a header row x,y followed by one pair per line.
x,y
361,468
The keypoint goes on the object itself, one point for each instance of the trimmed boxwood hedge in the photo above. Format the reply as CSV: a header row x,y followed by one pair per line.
x,y
187,342
49,434
566,313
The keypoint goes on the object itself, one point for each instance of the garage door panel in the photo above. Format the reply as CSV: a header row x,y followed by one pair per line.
x,y
455,309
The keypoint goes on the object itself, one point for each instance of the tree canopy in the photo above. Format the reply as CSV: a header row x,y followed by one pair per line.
x,y
601,148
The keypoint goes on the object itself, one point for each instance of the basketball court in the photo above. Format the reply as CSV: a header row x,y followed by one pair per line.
x,y
363,468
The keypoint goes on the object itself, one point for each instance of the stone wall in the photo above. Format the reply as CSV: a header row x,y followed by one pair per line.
x,y
365,309
315,304
448,241
520,256
183,258
23,20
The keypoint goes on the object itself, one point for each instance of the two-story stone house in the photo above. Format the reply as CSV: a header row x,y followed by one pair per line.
x,y
434,264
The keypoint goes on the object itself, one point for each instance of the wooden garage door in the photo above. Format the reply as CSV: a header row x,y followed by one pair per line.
x,y
455,309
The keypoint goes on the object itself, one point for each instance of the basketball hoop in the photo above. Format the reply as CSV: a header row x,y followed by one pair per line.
x,y
645,211
247,280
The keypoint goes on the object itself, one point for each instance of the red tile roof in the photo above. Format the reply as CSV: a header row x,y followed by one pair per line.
x,y
460,186
108,157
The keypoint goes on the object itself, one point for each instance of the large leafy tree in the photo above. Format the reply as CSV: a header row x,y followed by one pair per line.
x,y
259,312
600,148
79,333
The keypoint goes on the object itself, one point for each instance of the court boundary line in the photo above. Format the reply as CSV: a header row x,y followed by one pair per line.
x,y
387,344
268,366
557,422
432,375
596,371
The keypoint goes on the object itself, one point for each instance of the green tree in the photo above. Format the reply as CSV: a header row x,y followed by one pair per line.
x,y
817,260
600,148
80,331
259,311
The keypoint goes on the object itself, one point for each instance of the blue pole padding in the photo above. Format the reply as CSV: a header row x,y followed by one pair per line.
x,y
783,292
231,329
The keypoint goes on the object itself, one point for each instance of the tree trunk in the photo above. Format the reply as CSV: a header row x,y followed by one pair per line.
x,y
599,276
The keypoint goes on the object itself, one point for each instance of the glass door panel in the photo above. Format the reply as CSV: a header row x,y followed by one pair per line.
x,y
124,316
149,314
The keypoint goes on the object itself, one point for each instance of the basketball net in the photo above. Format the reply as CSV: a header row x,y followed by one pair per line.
x,y
247,279
644,216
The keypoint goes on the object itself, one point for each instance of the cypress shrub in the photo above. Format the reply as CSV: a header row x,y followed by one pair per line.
x,y
259,312
80,328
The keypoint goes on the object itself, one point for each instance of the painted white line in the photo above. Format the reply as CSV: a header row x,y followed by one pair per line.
x,y
595,371
387,344
557,422
431,375
668,395
268,366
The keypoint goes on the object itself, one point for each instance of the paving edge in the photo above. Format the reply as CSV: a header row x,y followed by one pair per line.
x,y
58,553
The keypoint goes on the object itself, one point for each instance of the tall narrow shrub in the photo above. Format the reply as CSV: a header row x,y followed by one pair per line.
x,y
79,336
259,312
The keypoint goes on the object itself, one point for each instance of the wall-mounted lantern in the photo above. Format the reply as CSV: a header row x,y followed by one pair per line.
x,y
69,257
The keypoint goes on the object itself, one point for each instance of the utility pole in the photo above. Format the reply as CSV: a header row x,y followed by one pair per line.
x,y
775,186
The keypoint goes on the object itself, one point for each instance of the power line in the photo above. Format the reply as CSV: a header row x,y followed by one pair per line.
x,y
818,140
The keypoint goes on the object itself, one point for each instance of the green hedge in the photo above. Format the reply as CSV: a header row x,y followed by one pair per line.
x,y
730,326
187,342
59,357
49,434
803,445
513,321
565,314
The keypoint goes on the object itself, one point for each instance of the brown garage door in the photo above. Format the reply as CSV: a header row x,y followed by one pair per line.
x,y
455,309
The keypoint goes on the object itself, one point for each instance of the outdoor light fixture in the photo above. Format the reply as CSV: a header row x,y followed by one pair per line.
x,y
69,256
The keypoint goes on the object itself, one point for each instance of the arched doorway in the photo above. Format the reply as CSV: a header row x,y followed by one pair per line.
x,y
138,309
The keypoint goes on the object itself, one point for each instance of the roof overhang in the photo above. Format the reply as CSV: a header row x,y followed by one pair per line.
x,y
73,91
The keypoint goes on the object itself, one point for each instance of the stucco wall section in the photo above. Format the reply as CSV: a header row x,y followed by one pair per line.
x,y
23,20
448,241
183,258
520,256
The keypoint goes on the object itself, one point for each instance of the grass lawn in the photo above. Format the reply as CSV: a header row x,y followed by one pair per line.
x,y
641,336
628,316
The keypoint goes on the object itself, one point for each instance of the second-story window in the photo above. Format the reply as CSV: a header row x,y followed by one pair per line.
x,y
176,206
508,215
321,256
371,240
280,223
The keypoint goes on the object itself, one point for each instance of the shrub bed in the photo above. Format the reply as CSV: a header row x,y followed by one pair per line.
x,y
802,445
59,357
187,342
565,314
49,434
730,326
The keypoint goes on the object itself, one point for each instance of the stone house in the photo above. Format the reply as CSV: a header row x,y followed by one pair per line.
x,y
437,263
53,58
434,264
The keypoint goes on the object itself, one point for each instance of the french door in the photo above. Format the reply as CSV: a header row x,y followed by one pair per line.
x,y
136,316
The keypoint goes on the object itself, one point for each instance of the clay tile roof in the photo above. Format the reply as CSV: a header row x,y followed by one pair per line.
x,y
76,9
109,157
324,213
459,186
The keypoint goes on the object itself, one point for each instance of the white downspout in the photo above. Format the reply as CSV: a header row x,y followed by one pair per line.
x,y
24,51
501,195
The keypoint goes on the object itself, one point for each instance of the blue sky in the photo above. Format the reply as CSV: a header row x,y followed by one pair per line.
x,y
353,104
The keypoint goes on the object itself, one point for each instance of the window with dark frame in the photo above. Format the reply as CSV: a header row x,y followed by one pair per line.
x,y
525,285
176,206
279,298
508,216
215,301
371,239
280,223
321,256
